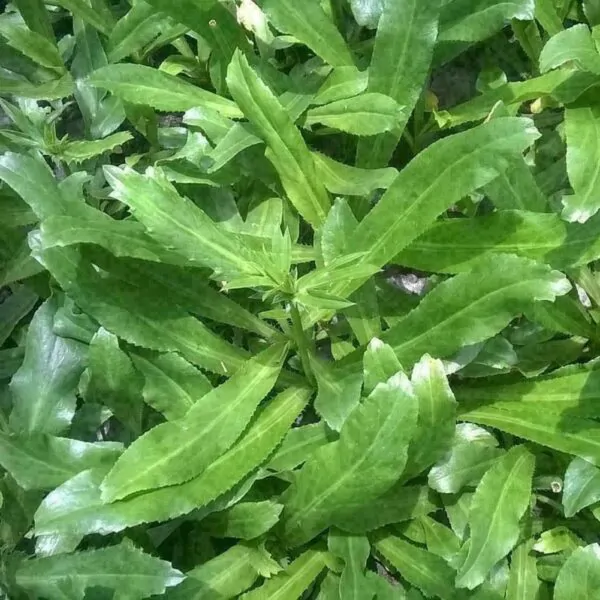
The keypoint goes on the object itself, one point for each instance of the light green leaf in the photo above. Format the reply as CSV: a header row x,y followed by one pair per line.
x,y
582,127
78,151
180,225
43,462
367,114
379,364
581,486
176,451
351,181
126,311
354,550
134,30
420,568
473,307
49,90
523,583
100,19
342,83
440,540
560,431
499,502
32,44
466,462
309,24
291,583
32,179
475,21
13,309
516,188
574,44
34,13
338,394
45,384
437,415
437,178
286,148
172,385
401,59
245,521
579,577
298,445
453,245
112,380
77,508
225,576
236,140
144,85
512,95
400,503
369,456
123,568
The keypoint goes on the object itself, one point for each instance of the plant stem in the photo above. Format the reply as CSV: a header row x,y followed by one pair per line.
x,y
303,343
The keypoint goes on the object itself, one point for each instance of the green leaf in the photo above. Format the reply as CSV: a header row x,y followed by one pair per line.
x,y
180,225
581,486
309,24
176,451
420,568
123,568
400,503
516,188
76,508
379,364
225,576
286,148
475,21
172,385
579,577
472,307
351,181
367,114
144,85
582,125
466,462
499,502
437,178
523,583
245,521
36,17
32,179
291,583
401,59
44,386
298,445
43,462
100,19
354,550
342,83
32,44
437,415
134,30
338,394
79,151
13,309
126,311
574,44
112,380
440,540
453,245
369,456
564,431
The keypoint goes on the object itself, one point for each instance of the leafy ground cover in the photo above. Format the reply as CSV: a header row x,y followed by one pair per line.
x,y
300,299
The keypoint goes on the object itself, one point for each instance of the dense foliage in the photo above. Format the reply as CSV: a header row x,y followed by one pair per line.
x,y
300,299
